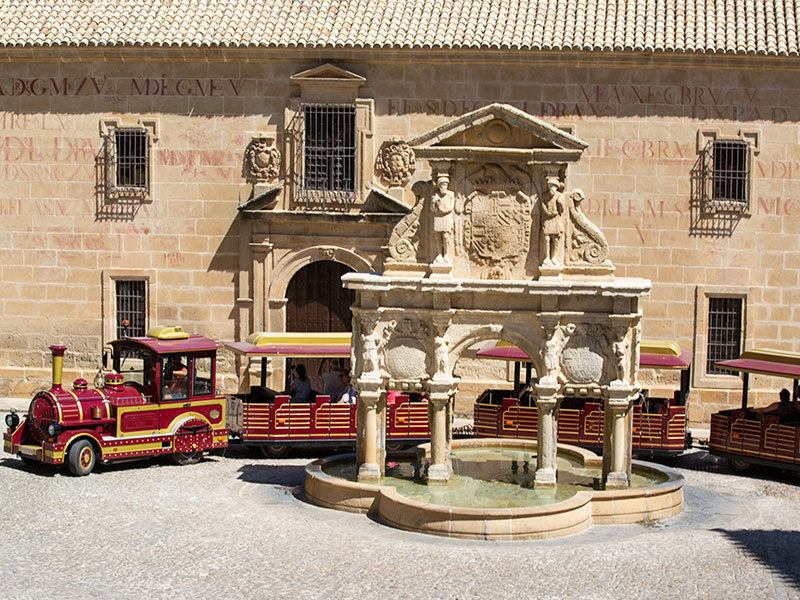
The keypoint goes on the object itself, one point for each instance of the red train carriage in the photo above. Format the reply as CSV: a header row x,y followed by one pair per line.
x,y
160,399
273,422
659,424
767,436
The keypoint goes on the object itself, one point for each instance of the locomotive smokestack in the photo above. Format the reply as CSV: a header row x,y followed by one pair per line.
x,y
58,364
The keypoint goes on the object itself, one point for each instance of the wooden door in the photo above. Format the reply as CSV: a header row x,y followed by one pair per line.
x,y
319,303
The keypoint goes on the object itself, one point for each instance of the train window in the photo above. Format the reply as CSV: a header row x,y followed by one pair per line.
x,y
174,375
203,376
136,365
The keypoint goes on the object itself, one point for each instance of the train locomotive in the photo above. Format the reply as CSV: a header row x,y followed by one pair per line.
x,y
160,399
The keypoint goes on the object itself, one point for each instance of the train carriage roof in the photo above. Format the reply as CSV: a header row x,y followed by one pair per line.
x,y
653,354
764,361
295,345
171,340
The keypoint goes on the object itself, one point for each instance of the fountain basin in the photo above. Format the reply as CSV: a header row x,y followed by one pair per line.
x,y
583,509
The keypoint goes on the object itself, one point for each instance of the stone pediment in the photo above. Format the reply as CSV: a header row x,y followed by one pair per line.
x,y
329,73
500,131
328,83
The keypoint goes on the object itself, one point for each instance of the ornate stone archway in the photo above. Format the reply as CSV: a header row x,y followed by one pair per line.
x,y
495,245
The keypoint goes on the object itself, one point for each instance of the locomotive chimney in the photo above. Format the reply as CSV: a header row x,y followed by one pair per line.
x,y
58,364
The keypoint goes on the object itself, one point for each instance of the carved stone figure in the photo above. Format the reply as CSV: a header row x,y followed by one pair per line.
x,y
444,203
552,219
404,239
262,160
396,162
441,343
587,243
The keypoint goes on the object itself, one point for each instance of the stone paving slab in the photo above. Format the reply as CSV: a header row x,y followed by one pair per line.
x,y
239,527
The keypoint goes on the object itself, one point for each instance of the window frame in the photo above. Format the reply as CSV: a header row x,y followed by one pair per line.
x,y
109,300
113,189
708,143
700,378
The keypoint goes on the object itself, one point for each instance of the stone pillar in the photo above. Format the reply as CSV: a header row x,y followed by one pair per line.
x,y
617,436
547,403
439,399
370,465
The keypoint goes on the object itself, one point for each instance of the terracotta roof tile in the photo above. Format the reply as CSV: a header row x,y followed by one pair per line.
x,y
766,27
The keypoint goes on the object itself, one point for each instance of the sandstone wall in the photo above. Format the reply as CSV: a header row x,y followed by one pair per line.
x,y
58,236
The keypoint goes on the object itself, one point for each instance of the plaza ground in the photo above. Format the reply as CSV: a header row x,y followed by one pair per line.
x,y
238,526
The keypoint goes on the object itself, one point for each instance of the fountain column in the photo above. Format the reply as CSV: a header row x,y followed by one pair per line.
x,y
439,399
547,403
370,436
618,435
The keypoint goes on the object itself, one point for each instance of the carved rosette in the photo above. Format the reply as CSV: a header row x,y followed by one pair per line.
x,y
396,163
587,244
406,355
262,160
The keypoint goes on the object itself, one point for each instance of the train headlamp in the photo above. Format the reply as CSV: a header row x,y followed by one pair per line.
x,y
53,429
12,420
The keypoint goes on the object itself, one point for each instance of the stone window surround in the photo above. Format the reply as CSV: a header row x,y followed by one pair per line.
x,y
753,136
109,310
107,127
328,84
701,379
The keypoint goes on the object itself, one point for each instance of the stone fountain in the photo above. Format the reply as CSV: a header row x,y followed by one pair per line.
x,y
495,247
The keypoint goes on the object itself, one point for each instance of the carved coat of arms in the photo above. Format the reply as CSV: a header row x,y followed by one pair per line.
x,y
498,228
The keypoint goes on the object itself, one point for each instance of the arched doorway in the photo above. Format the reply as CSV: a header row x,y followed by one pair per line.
x,y
318,302
316,299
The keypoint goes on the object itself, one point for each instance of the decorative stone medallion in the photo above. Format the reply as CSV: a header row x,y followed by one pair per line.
x,y
396,162
263,160
582,360
406,355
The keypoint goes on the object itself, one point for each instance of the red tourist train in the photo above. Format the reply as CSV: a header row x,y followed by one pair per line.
x,y
659,423
272,422
160,399
768,436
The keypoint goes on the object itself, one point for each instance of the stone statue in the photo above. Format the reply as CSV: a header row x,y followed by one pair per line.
x,y
552,219
440,344
262,160
396,162
587,243
444,201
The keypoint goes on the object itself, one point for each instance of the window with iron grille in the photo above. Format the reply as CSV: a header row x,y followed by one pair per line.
x,y
329,154
131,306
724,332
726,174
128,161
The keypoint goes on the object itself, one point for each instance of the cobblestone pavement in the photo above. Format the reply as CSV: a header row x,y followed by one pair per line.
x,y
238,527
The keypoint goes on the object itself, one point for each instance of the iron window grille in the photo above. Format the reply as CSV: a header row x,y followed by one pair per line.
x,y
328,143
128,162
131,305
724,333
725,174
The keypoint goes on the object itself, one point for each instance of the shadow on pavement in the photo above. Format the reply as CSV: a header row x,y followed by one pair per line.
x,y
33,468
702,460
775,549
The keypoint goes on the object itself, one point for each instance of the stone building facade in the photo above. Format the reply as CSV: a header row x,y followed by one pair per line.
x,y
209,158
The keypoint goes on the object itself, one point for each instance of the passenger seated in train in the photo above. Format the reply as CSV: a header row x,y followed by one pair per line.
x,y
347,395
300,388
331,377
785,409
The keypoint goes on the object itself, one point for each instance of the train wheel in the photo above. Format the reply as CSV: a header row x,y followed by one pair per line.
x,y
274,450
394,446
81,458
186,458
738,465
